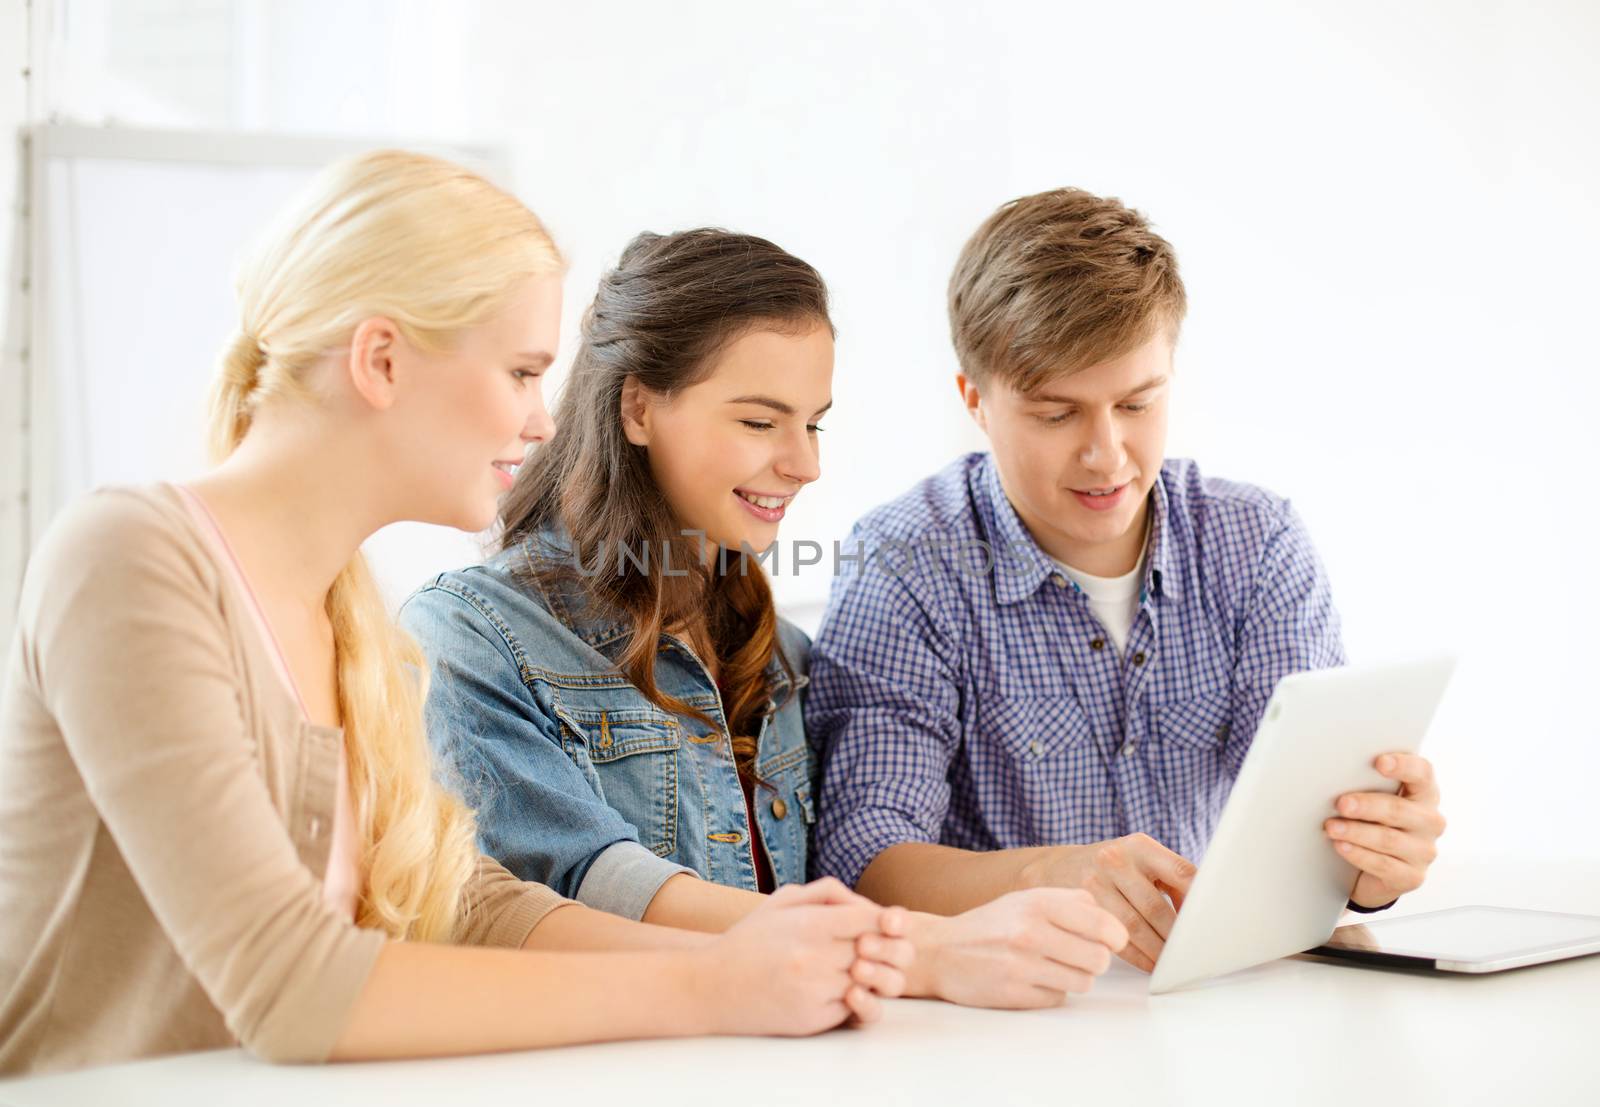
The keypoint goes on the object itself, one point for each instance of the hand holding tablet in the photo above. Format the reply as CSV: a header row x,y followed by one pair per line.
x,y
1390,838
1270,885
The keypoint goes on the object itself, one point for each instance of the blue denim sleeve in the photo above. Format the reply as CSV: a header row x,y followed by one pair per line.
x,y
537,815
1288,625
882,710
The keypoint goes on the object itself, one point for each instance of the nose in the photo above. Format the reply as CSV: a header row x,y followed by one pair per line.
x,y
539,426
1101,451
799,461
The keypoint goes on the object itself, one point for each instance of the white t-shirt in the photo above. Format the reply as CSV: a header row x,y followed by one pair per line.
x,y
1113,600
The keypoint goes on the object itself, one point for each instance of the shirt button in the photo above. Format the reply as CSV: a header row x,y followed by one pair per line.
x,y
1097,644
1036,749
1058,580
779,808
1138,658
1127,750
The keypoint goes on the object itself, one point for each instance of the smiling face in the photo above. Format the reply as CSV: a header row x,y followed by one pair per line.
x,y
471,412
1079,455
730,452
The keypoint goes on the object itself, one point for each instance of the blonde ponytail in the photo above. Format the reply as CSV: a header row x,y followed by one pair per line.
x,y
420,841
438,249
238,374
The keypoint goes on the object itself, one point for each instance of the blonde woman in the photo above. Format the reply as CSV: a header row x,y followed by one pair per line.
x,y
218,821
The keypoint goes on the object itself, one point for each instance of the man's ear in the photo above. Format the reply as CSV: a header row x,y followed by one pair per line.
x,y
372,361
635,412
972,401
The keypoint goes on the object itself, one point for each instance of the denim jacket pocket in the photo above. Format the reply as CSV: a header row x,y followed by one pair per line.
x,y
783,803
633,758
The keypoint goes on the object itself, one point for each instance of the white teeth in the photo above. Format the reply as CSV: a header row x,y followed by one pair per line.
x,y
506,467
771,503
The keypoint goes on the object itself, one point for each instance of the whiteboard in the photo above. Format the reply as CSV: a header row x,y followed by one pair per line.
x,y
137,235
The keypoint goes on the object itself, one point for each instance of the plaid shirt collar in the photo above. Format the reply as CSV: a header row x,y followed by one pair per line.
x,y
1030,566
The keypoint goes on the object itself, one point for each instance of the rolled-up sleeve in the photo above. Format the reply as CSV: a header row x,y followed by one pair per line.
x,y
497,909
128,650
625,878
537,814
883,712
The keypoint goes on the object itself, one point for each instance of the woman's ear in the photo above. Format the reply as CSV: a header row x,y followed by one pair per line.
x,y
635,412
372,361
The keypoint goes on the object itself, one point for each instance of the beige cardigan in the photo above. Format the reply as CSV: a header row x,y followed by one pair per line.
x,y
166,811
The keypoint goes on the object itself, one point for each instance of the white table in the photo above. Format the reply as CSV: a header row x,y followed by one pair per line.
x,y
1295,1032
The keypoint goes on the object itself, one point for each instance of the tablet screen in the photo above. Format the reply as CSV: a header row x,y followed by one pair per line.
x,y
1468,933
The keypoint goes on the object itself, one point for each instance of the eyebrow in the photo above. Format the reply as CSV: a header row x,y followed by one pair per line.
x,y
1049,398
776,405
540,358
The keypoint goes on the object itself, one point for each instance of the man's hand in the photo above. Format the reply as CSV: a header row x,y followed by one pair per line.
x,y
1138,880
1026,949
1390,838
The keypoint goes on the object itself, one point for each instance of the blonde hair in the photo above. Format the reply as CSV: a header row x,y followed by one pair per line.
x,y
437,249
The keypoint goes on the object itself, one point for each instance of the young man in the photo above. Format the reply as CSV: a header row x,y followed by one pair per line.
x,y
1049,662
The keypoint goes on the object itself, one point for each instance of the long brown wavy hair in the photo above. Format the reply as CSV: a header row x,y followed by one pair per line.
x,y
670,305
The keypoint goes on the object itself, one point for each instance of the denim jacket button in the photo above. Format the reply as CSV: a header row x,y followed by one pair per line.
x,y
779,808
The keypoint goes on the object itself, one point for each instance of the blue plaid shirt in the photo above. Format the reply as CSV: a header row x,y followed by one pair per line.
x,y
963,693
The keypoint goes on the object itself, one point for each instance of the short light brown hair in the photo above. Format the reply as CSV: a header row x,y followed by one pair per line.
x,y
1059,281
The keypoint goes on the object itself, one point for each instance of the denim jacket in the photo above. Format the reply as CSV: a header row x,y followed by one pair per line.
x,y
579,781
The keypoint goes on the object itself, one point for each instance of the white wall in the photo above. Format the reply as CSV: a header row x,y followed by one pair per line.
x,y
1387,219
1386,216
15,112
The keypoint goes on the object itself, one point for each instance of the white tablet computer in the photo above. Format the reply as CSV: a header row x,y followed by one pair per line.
x,y
1271,883
1466,939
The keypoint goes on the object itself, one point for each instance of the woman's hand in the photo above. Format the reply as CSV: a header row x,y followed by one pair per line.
x,y
808,959
1025,949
